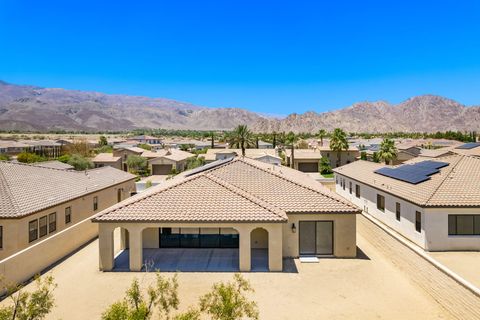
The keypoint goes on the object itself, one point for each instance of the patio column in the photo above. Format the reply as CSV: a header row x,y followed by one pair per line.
x,y
275,248
105,247
136,248
245,249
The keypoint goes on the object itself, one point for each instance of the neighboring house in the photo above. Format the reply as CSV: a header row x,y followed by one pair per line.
x,y
239,204
44,213
107,159
13,148
437,208
164,162
46,148
143,139
469,149
123,153
220,154
54,164
264,145
307,160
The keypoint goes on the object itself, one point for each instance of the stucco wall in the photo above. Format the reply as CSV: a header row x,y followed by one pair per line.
x,y
116,165
437,238
25,264
344,233
15,231
368,203
259,238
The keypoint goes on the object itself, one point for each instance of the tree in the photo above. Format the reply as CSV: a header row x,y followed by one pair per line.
x,y
338,142
321,134
388,151
212,140
274,139
375,157
196,162
28,157
228,301
242,138
34,305
79,162
102,141
80,147
145,146
324,166
161,299
302,144
363,155
136,164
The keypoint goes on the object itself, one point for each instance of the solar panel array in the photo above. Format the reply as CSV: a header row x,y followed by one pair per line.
x,y
413,173
469,145
208,166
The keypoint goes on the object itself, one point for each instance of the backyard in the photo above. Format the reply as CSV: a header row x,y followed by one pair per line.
x,y
364,288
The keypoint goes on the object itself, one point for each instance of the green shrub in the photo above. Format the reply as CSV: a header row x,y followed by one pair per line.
x,y
79,162
4,157
28,157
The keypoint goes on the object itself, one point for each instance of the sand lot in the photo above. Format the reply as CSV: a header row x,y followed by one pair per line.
x,y
365,288
466,264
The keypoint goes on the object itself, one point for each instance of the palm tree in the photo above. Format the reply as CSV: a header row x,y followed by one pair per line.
x,y
388,151
338,142
242,138
321,134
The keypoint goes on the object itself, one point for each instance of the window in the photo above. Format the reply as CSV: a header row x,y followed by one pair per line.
x,y
52,222
1,237
467,225
95,203
357,191
68,215
418,221
350,187
380,202
343,184
397,211
119,195
32,230
43,226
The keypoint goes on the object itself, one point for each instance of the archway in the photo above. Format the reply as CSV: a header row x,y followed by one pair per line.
x,y
121,244
259,249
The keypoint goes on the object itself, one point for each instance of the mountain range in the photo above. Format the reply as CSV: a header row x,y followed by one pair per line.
x,y
31,108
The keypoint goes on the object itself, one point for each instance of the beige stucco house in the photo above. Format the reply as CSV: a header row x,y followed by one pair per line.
x,y
263,155
307,160
107,160
237,205
165,161
439,211
44,213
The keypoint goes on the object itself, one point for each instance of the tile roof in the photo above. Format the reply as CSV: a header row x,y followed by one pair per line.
x,y
241,190
457,185
172,154
54,164
105,157
25,189
249,153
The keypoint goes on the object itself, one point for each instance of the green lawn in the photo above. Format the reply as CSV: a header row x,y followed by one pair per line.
x,y
327,175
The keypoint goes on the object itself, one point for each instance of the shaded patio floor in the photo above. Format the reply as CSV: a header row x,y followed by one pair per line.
x,y
193,260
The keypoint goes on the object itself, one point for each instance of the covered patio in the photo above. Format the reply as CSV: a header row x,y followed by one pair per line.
x,y
259,249
193,260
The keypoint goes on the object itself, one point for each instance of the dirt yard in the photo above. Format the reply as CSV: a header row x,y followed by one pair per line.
x,y
466,264
369,287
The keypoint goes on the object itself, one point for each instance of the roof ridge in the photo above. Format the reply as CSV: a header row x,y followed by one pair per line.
x,y
5,185
444,179
296,183
250,197
142,196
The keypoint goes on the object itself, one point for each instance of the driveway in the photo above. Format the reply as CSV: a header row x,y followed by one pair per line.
x,y
193,260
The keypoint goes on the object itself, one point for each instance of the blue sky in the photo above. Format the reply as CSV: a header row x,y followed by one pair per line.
x,y
274,57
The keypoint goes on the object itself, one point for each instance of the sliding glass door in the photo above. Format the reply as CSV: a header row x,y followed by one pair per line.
x,y
316,237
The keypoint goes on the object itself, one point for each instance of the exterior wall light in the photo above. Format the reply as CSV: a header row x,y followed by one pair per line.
x,y
294,228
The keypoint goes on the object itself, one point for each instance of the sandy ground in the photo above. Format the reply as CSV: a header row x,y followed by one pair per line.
x,y
466,264
365,288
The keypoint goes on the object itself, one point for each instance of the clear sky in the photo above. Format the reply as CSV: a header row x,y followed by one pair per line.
x,y
274,57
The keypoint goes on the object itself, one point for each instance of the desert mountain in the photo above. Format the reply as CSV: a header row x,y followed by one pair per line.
x,y
40,109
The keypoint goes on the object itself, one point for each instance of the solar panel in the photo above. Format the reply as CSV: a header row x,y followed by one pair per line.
x,y
469,145
208,166
413,173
